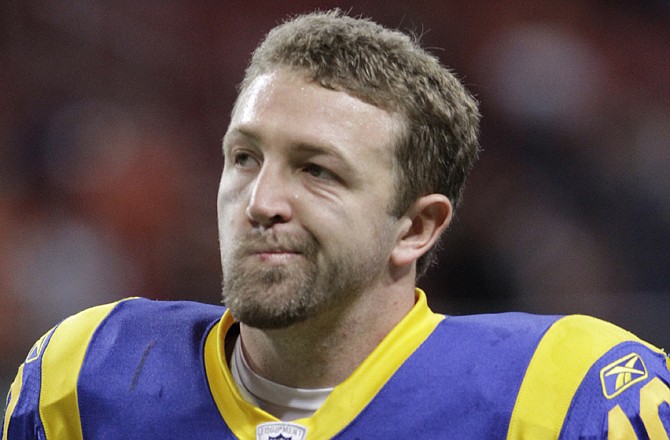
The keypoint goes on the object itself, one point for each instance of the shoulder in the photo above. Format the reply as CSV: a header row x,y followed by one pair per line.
x,y
127,323
49,377
505,334
139,318
491,350
581,372
61,349
556,376
502,324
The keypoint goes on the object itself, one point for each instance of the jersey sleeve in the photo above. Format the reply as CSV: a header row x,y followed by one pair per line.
x,y
42,400
21,418
625,395
589,379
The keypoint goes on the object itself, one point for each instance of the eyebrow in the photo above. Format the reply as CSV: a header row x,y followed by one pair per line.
x,y
304,148
326,149
243,133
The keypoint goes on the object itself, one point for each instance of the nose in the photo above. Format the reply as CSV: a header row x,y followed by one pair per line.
x,y
270,201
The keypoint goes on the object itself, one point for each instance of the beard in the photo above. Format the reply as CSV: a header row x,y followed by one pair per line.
x,y
273,296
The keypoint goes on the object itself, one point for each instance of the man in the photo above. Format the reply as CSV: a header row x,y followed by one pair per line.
x,y
345,155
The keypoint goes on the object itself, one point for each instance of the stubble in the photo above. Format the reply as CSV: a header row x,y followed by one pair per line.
x,y
277,296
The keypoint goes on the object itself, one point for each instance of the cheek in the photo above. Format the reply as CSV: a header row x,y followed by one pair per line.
x,y
230,206
227,190
231,194
228,235
336,227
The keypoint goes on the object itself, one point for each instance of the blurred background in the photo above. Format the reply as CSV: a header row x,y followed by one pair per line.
x,y
112,114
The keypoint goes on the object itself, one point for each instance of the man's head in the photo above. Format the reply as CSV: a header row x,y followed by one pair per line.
x,y
438,142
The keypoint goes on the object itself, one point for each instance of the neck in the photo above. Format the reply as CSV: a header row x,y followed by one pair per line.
x,y
325,349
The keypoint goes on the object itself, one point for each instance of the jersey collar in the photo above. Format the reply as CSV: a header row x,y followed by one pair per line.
x,y
347,399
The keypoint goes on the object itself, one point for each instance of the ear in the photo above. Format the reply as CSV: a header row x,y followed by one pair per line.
x,y
424,222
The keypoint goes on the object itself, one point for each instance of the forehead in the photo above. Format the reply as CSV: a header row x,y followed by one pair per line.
x,y
283,106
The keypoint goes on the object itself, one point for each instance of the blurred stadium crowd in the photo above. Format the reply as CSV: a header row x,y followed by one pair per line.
x,y
112,115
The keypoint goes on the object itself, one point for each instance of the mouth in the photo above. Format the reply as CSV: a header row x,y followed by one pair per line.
x,y
275,250
274,255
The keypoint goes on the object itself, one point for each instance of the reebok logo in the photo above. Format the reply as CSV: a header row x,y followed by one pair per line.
x,y
622,374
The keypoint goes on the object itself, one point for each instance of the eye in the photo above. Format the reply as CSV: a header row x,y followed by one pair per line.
x,y
318,172
243,159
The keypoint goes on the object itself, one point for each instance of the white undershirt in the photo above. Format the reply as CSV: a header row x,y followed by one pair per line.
x,y
285,403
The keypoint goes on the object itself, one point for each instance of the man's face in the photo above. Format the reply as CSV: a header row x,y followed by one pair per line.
x,y
304,200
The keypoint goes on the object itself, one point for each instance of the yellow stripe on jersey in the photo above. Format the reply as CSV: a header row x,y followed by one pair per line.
x,y
561,361
347,400
61,363
14,391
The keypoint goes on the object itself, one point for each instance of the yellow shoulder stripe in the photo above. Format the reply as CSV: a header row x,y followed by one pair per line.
x,y
17,385
561,361
61,363
14,390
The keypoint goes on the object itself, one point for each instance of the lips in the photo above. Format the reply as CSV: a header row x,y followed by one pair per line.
x,y
278,248
271,245
269,250
269,253
276,256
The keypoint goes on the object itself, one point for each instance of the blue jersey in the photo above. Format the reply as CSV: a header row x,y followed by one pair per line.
x,y
141,369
